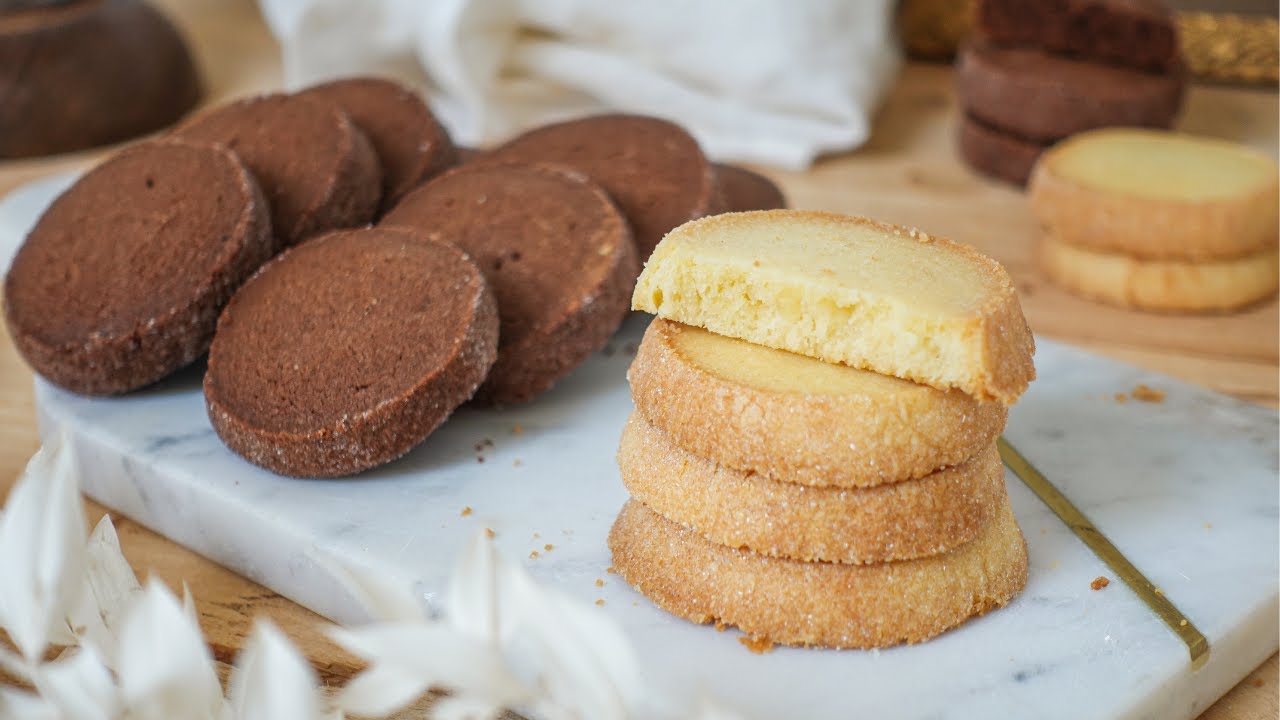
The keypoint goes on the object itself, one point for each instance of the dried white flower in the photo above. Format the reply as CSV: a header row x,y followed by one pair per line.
x,y
19,704
164,668
109,588
79,685
42,541
272,680
503,642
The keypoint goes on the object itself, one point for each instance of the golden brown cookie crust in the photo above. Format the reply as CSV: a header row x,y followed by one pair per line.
x,y
814,439
824,604
1161,285
897,521
1151,228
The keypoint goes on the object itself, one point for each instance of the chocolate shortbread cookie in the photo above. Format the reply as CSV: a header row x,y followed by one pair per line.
x,y
557,252
316,372
743,189
318,171
121,280
87,73
652,168
1042,97
411,144
1141,34
997,154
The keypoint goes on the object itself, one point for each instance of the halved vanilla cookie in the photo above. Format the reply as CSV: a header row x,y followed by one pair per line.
x,y
895,521
1158,195
1170,285
800,420
847,290
815,603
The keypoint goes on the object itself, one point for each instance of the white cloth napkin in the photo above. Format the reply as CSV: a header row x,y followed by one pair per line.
x,y
770,81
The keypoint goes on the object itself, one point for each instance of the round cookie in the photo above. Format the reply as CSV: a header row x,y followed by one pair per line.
x,y
997,154
653,169
825,604
1162,285
88,73
120,281
317,170
1141,34
743,189
1158,195
556,251
894,521
317,373
411,145
1034,95
795,419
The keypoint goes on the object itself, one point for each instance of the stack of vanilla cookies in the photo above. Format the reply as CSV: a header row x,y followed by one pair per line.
x,y
779,488
1158,220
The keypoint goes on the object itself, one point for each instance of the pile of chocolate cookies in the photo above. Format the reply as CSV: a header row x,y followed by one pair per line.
x,y
1039,71
351,281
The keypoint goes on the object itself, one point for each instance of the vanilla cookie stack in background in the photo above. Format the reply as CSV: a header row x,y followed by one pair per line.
x,y
1037,72
1159,220
778,487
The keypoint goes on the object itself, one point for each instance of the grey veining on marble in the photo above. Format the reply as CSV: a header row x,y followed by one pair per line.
x,y
1186,488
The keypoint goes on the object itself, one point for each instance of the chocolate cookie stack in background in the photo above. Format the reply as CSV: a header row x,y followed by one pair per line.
x,y
1037,72
803,500
330,359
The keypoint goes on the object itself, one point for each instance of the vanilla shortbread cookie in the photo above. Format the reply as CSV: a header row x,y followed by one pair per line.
x,y
809,603
800,420
1158,195
1167,285
847,290
897,521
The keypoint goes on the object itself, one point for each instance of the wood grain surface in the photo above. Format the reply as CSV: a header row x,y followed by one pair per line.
x,y
908,173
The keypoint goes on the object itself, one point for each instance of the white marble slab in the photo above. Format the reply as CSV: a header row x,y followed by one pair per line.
x,y
1187,488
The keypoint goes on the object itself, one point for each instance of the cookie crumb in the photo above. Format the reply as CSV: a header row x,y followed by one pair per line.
x,y
1099,583
548,547
466,511
1159,592
1146,393
1122,398
533,554
1182,623
600,602
610,570
537,535
517,429
757,645
490,533
599,582
517,462
1208,525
